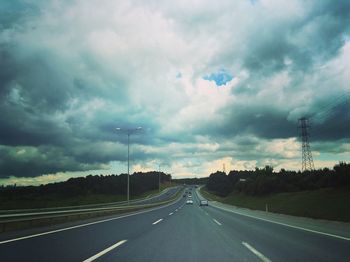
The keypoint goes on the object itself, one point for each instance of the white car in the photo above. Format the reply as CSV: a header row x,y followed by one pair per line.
x,y
189,202
203,203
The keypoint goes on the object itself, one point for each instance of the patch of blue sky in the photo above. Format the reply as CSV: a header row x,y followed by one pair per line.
x,y
220,78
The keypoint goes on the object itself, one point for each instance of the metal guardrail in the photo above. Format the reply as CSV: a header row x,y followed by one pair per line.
x,y
119,203
25,220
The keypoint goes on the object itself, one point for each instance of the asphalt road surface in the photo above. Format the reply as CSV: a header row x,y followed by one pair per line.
x,y
177,232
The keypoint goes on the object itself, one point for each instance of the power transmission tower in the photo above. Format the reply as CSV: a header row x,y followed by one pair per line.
x,y
307,161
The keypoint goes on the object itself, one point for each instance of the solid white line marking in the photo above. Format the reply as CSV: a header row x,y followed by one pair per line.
x,y
154,223
283,224
171,213
83,225
217,222
256,252
104,251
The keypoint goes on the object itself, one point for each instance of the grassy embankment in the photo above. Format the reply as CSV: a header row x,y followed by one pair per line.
x,y
327,203
39,201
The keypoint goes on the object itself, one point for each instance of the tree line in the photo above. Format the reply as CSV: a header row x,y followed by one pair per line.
x,y
265,181
191,181
92,184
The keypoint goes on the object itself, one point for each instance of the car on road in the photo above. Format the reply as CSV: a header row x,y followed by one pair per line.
x,y
189,202
203,203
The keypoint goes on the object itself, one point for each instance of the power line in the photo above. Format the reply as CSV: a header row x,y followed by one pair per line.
x,y
326,110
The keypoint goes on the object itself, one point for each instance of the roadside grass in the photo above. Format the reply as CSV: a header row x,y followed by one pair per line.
x,y
56,200
29,201
326,203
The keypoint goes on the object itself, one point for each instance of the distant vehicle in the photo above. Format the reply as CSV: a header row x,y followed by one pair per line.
x,y
189,202
203,203
184,195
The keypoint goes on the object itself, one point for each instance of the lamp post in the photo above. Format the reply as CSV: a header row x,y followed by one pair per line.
x,y
159,180
128,131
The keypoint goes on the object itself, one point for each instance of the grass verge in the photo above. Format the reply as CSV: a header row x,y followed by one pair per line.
x,y
326,203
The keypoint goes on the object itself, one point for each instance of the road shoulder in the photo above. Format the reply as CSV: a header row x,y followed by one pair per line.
x,y
331,228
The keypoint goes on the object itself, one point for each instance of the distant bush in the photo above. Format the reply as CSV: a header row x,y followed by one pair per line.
x,y
219,183
264,181
98,184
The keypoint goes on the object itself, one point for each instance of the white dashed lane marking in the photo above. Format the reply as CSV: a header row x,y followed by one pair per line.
x,y
256,252
154,223
217,222
104,251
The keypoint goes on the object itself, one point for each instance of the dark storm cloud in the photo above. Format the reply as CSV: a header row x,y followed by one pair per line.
x,y
305,40
334,125
31,91
38,89
42,160
260,121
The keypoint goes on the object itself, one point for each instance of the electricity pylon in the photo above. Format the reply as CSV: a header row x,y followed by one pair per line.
x,y
307,161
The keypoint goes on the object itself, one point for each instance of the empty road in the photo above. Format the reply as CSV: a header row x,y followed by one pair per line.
x,y
177,232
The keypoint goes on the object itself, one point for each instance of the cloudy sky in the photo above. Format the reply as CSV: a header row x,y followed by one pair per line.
x,y
210,82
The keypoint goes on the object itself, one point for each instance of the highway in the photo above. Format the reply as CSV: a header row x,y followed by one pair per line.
x,y
176,232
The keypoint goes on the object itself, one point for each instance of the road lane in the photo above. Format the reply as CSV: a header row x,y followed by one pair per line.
x,y
281,243
188,235
83,242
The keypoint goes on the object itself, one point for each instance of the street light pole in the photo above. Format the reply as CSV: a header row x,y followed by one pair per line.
x,y
128,186
159,180
128,131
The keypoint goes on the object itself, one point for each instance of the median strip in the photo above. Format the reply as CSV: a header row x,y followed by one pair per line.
x,y
256,252
104,251
154,223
